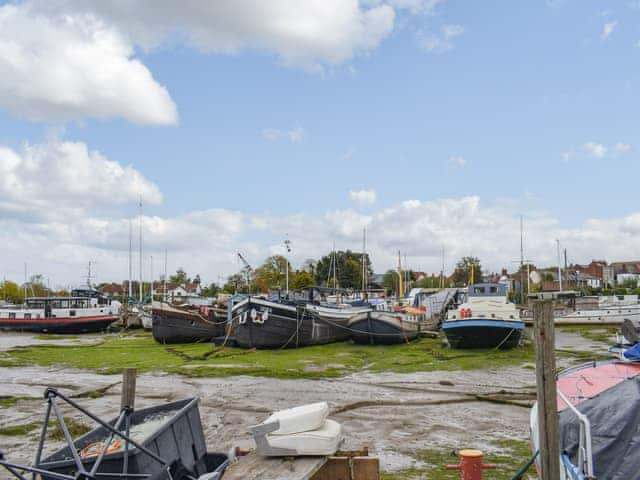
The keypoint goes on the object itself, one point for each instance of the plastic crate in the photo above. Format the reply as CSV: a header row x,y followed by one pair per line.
x,y
180,439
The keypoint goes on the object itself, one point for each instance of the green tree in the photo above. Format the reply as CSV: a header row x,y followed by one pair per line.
x,y
236,283
348,269
37,286
301,279
462,272
390,281
432,281
179,277
11,292
210,291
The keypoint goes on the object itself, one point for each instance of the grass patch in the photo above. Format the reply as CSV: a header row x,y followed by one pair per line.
x,y
601,333
54,432
323,361
19,430
509,457
6,402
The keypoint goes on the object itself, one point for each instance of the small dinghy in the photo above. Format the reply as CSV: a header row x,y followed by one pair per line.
x,y
486,320
160,443
186,325
384,328
598,406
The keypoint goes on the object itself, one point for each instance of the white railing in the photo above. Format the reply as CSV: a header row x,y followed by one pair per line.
x,y
585,454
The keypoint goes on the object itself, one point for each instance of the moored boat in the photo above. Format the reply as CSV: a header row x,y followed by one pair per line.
x,y
380,327
598,418
186,324
266,324
84,311
486,320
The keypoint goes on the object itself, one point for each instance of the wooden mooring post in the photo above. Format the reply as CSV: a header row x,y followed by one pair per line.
x,y
128,395
548,430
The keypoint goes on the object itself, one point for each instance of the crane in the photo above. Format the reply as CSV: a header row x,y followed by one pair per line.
x,y
247,270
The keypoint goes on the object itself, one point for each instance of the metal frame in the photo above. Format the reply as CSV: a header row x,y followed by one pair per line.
x,y
51,394
585,454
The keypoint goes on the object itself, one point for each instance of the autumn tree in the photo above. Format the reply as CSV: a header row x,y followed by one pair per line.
x,y
180,277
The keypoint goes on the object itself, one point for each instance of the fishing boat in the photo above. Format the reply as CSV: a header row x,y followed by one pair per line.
x,y
85,311
598,406
266,324
189,324
485,320
379,327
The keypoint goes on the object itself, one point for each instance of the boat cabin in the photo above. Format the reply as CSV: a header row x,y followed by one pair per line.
x,y
487,290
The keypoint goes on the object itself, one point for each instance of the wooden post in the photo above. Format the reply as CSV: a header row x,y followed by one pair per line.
x,y
548,430
128,395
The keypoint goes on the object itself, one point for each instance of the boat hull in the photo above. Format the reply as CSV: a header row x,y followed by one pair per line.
x,y
599,317
56,325
483,333
382,328
174,326
268,325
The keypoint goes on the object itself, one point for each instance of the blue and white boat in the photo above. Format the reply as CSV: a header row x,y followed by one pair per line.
x,y
486,319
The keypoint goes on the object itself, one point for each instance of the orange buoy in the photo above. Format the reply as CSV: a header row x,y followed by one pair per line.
x,y
471,465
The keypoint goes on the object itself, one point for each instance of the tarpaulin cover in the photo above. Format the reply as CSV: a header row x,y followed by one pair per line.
x,y
615,428
633,353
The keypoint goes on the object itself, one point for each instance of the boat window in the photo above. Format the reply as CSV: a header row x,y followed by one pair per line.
x,y
12,314
494,290
478,289
27,316
72,313
37,315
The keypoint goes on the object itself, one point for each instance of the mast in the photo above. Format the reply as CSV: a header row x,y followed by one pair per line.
x,y
521,261
442,271
400,287
559,266
165,275
364,260
130,257
151,271
140,245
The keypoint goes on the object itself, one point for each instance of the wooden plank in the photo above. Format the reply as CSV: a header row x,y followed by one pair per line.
x,y
544,335
128,395
256,467
366,468
336,468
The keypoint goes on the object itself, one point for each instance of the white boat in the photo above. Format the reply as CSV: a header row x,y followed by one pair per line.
x,y
610,314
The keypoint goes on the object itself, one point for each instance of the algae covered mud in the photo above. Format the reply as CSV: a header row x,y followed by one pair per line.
x,y
413,405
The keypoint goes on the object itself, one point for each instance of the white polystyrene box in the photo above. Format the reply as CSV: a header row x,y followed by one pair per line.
x,y
300,419
322,441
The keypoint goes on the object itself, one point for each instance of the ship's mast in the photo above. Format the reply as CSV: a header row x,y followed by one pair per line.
x,y
130,257
140,244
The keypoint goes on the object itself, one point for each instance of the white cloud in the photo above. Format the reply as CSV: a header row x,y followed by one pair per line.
x,y
442,42
363,198
596,150
608,29
62,67
60,179
457,161
295,134
623,147
348,155
310,34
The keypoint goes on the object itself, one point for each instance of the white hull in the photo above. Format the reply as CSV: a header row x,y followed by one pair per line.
x,y
612,316
342,313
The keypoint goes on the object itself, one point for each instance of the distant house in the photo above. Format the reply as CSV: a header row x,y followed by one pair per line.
x,y
111,290
623,278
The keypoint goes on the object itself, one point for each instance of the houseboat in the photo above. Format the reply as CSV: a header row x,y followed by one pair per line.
x,y
84,311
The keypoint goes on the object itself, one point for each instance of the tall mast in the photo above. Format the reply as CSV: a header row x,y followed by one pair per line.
x,y
442,271
130,257
559,267
165,275
140,253
521,260
400,288
364,259
151,271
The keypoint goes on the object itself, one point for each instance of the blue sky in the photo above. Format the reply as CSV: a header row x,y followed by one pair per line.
x,y
529,106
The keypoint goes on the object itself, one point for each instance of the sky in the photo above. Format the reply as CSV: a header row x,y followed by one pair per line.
x,y
434,124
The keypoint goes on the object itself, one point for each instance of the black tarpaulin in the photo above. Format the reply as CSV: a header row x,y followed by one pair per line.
x,y
615,428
